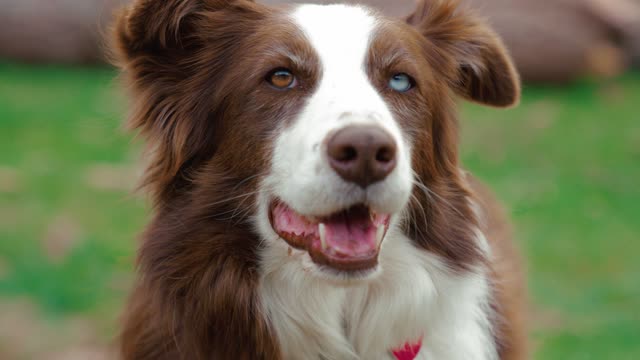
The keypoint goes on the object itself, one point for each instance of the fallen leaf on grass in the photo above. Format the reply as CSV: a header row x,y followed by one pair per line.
x,y
112,177
612,93
9,180
541,116
82,353
9,217
547,319
61,237
29,335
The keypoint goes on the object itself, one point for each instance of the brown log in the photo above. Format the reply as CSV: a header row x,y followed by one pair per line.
x,y
550,40
61,31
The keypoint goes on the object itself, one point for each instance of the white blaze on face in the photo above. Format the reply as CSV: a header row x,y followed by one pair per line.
x,y
412,291
301,176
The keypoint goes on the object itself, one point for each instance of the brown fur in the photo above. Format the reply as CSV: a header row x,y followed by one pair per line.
x,y
463,57
510,291
196,70
197,294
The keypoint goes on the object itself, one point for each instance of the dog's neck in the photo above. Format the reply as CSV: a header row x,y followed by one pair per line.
x,y
415,296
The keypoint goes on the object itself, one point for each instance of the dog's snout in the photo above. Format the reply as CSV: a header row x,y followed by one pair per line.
x,y
362,154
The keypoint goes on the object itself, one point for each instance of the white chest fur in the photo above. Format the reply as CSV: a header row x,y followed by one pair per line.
x,y
414,296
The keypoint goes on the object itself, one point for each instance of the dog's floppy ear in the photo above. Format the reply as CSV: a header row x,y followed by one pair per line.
x,y
148,26
172,53
482,68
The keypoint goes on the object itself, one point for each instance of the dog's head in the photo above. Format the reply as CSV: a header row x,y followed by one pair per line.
x,y
324,127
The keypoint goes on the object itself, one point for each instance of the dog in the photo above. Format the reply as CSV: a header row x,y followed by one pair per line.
x,y
309,201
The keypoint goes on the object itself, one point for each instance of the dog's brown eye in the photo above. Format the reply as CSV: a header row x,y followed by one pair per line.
x,y
281,79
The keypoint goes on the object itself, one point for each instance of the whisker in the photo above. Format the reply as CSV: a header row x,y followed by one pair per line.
x,y
243,213
433,195
231,198
233,211
414,215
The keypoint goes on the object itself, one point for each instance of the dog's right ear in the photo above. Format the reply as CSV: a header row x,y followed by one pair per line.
x,y
147,27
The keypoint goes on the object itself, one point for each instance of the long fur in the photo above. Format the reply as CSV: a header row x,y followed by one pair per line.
x,y
215,281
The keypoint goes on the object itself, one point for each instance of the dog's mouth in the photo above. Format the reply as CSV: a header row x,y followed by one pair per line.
x,y
348,240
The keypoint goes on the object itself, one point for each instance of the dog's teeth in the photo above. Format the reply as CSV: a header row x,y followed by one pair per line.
x,y
323,235
379,234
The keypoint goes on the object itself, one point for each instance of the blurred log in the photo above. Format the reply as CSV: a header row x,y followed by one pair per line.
x,y
72,31
60,31
561,40
550,40
624,18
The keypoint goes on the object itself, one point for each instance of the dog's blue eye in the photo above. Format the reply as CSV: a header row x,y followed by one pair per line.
x,y
401,82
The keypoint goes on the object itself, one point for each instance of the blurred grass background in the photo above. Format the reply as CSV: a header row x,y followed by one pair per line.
x,y
566,163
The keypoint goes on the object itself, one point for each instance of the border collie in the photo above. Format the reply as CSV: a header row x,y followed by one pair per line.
x,y
309,198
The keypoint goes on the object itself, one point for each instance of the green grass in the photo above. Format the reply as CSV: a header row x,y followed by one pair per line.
x,y
55,125
566,163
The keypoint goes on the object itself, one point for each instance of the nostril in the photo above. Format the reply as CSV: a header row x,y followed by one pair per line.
x,y
385,155
346,154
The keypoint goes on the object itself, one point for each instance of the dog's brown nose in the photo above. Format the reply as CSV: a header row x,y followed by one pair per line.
x,y
362,154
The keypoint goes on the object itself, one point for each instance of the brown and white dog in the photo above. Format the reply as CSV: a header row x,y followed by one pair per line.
x,y
309,199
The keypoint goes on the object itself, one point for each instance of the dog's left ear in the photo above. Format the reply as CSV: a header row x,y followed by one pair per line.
x,y
471,54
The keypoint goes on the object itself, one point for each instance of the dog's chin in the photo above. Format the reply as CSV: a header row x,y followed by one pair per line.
x,y
342,278
343,246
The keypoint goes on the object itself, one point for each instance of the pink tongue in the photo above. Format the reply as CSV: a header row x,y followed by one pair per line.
x,y
351,237
348,235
